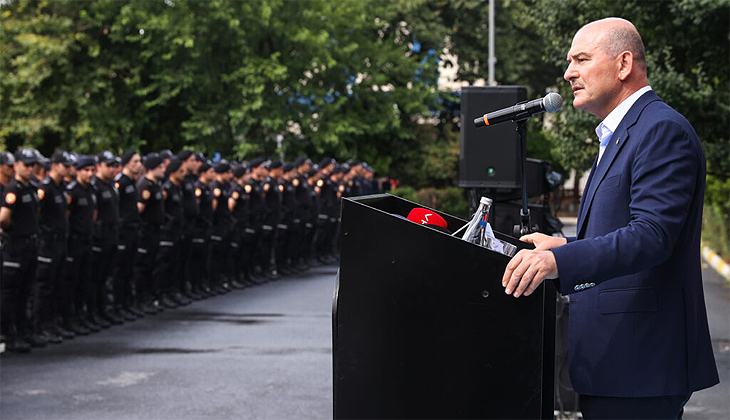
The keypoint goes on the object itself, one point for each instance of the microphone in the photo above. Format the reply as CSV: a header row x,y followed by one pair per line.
x,y
550,103
429,218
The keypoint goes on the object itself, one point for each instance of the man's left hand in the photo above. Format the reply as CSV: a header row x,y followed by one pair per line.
x,y
527,270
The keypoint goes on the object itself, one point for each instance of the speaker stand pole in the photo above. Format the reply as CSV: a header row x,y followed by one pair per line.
x,y
525,226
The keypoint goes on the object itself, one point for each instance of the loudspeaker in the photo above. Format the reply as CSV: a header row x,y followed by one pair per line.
x,y
489,155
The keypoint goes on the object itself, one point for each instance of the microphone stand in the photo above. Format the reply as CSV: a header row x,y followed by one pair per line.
x,y
521,129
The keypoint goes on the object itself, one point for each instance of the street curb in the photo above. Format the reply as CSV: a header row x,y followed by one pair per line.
x,y
716,262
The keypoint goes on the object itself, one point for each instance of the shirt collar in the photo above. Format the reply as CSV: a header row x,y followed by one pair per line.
x,y
613,119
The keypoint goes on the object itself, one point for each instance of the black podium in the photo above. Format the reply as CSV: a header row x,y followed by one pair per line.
x,y
422,327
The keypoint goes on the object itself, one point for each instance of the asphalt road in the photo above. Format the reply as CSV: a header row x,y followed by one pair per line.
x,y
258,353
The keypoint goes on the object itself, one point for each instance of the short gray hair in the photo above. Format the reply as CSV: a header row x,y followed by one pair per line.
x,y
620,39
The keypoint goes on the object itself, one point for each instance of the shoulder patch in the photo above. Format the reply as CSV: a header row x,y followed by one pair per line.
x,y
69,199
235,195
116,184
164,195
10,198
320,183
198,192
295,182
217,192
342,188
267,187
146,194
281,188
41,193
247,188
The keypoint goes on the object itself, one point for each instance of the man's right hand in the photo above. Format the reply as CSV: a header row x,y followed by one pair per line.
x,y
543,242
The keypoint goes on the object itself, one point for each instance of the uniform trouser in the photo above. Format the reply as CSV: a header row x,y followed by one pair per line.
x,y
103,251
281,250
296,236
308,241
220,250
49,275
146,285
168,263
241,244
18,271
186,243
78,276
124,260
199,257
266,246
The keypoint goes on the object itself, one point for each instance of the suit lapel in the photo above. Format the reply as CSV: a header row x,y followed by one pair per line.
x,y
618,139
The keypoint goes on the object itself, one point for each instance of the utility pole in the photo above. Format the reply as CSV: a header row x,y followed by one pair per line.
x,y
492,58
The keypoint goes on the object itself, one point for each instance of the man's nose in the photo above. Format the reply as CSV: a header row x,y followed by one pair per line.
x,y
570,73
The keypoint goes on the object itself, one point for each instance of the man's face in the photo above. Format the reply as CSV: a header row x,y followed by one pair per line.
x,y
178,175
276,172
190,164
592,74
7,171
61,169
135,164
105,171
208,175
159,172
23,171
85,174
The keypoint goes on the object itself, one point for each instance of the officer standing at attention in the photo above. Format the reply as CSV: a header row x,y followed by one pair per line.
x,y
7,173
270,227
303,194
19,221
125,183
200,255
81,304
222,223
152,215
168,266
190,166
239,207
106,233
53,224
292,217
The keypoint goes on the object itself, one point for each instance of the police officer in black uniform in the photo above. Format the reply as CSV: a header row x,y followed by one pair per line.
x,y
220,239
19,222
53,224
240,210
327,218
129,227
80,302
257,214
291,217
270,227
106,234
152,216
7,173
200,246
168,265
191,210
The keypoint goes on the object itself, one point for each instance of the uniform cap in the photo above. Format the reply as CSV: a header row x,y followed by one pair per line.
x,y
166,154
85,161
184,154
299,161
41,159
174,165
275,164
7,158
353,162
326,161
222,167
62,157
256,163
27,156
288,167
204,166
239,171
152,160
127,156
107,157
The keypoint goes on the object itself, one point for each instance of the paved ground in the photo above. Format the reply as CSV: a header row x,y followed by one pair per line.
x,y
259,353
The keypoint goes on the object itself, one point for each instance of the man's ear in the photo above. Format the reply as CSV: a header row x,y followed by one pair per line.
x,y
625,63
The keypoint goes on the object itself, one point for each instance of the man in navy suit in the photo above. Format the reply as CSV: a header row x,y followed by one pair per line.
x,y
639,342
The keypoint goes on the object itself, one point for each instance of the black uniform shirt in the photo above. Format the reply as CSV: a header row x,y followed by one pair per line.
x,y
81,206
289,201
221,215
241,210
205,203
190,201
23,202
52,201
151,196
107,202
302,191
128,197
255,202
173,196
272,200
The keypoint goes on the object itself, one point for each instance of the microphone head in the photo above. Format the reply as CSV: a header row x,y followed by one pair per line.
x,y
426,217
552,102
